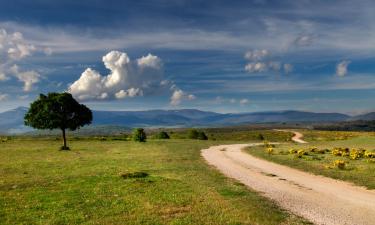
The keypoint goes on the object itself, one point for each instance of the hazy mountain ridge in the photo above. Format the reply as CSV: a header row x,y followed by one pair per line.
x,y
12,121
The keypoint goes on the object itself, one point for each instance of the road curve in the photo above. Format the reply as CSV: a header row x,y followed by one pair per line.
x,y
319,199
297,136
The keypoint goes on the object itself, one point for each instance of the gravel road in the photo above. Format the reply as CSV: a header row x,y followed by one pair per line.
x,y
319,199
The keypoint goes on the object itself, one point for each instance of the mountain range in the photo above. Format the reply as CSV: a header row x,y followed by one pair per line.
x,y
12,121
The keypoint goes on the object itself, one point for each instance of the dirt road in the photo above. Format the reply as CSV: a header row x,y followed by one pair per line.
x,y
319,199
297,136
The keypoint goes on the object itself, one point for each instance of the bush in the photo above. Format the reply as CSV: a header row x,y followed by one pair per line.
x,y
195,134
134,175
162,135
269,151
139,135
261,137
339,164
202,136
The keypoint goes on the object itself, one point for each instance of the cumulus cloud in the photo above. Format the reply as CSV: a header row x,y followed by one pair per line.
x,y
342,68
256,67
14,47
257,55
259,61
29,78
178,96
126,79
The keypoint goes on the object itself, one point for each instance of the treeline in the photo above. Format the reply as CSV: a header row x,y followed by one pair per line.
x,y
359,125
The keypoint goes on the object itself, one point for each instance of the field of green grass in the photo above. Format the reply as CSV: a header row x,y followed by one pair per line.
x,y
360,171
40,185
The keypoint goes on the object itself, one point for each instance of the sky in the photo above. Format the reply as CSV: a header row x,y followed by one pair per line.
x,y
223,56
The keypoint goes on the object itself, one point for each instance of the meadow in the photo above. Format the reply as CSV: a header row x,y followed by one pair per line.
x,y
325,153
108,180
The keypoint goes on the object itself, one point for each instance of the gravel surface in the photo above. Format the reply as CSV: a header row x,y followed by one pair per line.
x,y
319,199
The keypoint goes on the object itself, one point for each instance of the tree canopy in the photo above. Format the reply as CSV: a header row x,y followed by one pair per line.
x,y
58,111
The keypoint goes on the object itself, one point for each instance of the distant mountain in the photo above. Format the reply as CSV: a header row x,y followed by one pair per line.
x,y
12,121
366,117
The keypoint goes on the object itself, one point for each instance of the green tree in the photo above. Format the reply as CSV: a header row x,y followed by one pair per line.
x,y
139,135
202,136
162,135
193,134
58,111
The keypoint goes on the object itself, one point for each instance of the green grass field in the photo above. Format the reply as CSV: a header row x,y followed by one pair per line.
x,y
360,171
40,185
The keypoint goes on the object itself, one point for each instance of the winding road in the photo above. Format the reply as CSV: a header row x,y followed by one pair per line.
x,y
321,200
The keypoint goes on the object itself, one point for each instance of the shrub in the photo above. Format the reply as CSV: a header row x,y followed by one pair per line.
x,y
134,175
162,135
260,137
202,136
341,151
195,134
356,154
269,151
339,164
369,154
301,152
293,151
139,135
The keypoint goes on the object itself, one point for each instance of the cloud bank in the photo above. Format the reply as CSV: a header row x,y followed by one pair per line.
x,y
127,78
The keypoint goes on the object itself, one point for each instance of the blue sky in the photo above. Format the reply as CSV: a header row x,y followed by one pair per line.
x,y
225,56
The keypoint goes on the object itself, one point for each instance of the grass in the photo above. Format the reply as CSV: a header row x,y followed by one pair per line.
x,y
40,185
360,171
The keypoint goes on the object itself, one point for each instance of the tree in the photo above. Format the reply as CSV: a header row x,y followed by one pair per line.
x,y
139,135
58,111
195,134
202,136
162,135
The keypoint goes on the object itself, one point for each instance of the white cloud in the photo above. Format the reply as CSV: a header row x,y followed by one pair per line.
x,y
131,92
127,78
3,97
257,55
14,46
256,67
178,96
259,61
244,101
29,78
342,68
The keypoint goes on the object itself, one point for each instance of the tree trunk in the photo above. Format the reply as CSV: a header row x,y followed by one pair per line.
x,y
64,140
